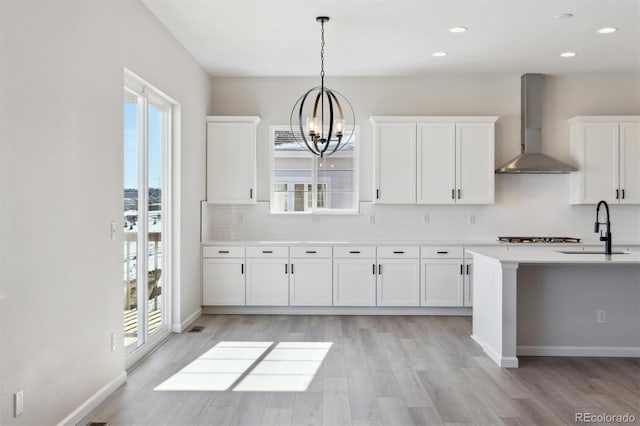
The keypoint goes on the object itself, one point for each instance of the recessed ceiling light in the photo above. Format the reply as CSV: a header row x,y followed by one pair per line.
x,y
439,54
564,16
458,29
607,30
568,54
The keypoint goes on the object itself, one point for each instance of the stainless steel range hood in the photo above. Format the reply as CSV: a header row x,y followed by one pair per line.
x,y
532,160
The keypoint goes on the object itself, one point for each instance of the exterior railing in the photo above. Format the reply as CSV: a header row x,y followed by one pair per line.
x,y
153,275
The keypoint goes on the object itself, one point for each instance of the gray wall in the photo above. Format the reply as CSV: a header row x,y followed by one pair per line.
x,y
61,177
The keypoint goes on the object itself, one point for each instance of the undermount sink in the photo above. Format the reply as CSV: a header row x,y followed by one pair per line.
x,y
591,252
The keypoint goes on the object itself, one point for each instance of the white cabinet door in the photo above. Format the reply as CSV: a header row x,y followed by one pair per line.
x,y
436,163
354,282
223,282
597,154
475,163
468,283
395,163
630,163
267,282
231,162
398,282
442,282
310,282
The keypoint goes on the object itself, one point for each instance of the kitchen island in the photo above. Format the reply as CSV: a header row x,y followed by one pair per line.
x,y
540,301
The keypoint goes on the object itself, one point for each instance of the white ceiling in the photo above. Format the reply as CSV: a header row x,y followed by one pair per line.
x,y
397,37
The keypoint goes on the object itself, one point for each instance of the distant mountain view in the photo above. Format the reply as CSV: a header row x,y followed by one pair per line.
x,y
131,198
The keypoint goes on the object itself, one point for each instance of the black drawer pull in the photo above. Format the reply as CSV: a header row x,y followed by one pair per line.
x,y
617,194
467,269
242,268
461,270
286,268
374,269
292,269
251,193
311,251
380,269
623,194
354,252
398,252
442,252
223,251
267,251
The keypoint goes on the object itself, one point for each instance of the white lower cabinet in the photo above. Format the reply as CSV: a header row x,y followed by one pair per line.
x,y
442,282
223,281
468,282
267,282
354,282
398,282
310,282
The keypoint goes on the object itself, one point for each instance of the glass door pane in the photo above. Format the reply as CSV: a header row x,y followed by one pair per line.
x,y
131,185
156,135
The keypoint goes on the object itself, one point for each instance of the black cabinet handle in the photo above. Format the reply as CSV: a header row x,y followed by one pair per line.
x,y
461,269
354,252
442,252
467,269
398,252
286,268
453,194
459,194
380,269
374,269
223,251
251,193
292,269
617,194
311,251
267,251
623,194
377,194
242,268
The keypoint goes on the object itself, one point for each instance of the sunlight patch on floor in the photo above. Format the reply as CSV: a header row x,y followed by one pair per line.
x,y
287,367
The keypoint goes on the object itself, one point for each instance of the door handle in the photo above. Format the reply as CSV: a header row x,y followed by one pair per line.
x,y
373,270
223,251
311,251
377,194
467,269
267,251
459,194
442,252
380,269
453,194
286,268
354,252
398,252
292,269
461,269
623,194
617,194
242,268
251,193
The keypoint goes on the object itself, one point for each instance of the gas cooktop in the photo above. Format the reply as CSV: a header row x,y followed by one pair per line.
x,y
538,240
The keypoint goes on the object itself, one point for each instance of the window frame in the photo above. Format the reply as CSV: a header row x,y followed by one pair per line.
x,y
314,211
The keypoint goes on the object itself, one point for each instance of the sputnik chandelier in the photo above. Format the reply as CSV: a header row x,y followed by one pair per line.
x,y
323,131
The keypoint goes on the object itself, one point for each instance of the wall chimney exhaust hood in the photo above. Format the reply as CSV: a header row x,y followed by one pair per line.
x,y
532,160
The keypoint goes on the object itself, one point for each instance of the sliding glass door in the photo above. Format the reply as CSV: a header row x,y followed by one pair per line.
x,y
147,118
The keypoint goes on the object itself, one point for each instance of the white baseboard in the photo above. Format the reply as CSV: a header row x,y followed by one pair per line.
x,y
622,351
95,400
501,361
179,328
333,310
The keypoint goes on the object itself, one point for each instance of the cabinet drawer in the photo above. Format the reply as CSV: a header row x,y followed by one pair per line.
x,y
354,252
441,252
310,251
400,252
267,251
221,251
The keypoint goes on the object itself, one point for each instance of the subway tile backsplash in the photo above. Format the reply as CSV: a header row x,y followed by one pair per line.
x,y
525,205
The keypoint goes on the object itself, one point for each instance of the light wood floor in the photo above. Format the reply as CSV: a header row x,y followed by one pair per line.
x,y
402,370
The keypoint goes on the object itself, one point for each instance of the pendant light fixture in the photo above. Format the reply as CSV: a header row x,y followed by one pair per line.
x,y
319,125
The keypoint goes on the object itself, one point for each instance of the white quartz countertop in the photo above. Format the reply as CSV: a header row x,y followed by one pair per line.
x,y
552,255
354,243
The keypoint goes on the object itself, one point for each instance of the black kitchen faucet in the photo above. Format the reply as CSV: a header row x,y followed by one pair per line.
x,y
606,237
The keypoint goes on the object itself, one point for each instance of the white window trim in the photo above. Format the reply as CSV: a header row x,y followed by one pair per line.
x,y
315,211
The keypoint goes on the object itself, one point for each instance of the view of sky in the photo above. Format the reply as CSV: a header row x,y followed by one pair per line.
x,y
131,147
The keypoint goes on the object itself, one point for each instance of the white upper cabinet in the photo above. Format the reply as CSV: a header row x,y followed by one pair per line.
x,y
606,150
231,159
395,163
452,161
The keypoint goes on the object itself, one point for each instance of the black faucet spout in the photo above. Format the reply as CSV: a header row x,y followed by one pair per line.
x,y
607,236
